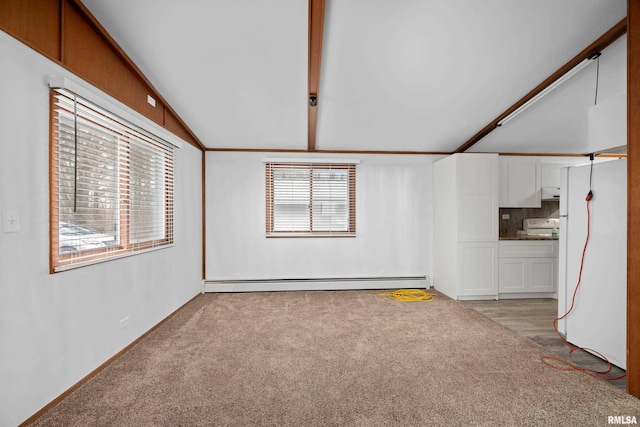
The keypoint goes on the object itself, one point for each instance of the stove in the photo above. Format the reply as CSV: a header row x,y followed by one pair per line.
x,y
543,227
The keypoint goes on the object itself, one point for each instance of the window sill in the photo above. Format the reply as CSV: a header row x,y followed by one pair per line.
x,y
309,235
73,265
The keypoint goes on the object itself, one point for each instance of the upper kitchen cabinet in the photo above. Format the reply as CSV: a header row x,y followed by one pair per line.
x,y
551,174
520,182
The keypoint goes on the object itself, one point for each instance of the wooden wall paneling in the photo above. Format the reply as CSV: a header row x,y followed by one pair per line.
x,y
161,103
87,55
633,198
34,22
66,32
175,125
163,113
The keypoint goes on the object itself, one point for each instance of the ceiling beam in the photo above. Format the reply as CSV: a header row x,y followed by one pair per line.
x,y
605,40
316,26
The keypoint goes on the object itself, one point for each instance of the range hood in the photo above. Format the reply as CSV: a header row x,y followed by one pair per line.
x,y
550,193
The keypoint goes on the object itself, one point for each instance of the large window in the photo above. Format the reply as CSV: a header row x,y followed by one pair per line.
x,y
111,185
315,199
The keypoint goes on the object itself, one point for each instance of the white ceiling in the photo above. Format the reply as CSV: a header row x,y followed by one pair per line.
x,y
558,122
403,75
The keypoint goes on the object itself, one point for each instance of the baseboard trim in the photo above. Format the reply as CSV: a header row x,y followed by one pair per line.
x,y
96,371
322,284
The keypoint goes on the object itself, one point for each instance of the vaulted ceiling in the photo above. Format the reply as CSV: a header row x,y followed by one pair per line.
x,y
402,75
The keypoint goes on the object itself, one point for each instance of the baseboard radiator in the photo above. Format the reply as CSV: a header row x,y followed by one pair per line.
x,y
325,284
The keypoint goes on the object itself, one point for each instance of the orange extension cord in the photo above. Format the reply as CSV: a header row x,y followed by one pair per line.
x,y
565,365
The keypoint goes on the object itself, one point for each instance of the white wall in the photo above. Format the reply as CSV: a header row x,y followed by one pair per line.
x,y
394,217
608,118
55,329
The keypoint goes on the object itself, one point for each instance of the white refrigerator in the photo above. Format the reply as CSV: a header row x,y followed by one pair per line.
x,y
598,319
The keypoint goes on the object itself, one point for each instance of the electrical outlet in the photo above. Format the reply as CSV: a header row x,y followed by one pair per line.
x,y
124,322
10,222
506,216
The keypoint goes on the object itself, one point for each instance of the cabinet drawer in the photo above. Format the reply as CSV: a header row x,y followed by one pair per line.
x,y
528,249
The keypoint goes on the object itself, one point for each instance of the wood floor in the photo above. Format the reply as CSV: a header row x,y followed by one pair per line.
x,y
533,319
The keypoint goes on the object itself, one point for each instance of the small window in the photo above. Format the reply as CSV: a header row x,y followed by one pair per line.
x,y
310,199
111,185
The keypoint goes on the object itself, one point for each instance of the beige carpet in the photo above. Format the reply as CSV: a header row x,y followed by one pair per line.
x,y
343,358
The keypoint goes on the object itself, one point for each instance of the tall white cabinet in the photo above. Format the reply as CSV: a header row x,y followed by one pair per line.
x,y
466,226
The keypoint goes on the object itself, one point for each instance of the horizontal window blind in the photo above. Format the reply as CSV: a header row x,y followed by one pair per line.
x,y
310,199
111,184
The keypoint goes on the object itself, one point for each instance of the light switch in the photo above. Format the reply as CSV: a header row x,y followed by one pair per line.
x,y
10,222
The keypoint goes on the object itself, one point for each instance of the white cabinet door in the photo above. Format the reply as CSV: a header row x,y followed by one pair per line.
x,y
551,174
477,173
477,198
503,190
477,218
513,275
478,264
520,183
528,266
542,275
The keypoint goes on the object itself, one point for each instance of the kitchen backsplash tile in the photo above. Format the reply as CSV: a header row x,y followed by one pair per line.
x,y
549,209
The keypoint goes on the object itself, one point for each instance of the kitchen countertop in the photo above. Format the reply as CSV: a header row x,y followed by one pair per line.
x,y
513,234
525,237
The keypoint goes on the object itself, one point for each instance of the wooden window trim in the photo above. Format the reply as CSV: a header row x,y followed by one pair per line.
x,y
63,261
270,167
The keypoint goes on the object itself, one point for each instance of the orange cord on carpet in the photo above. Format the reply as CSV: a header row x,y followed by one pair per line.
x,y
566,365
